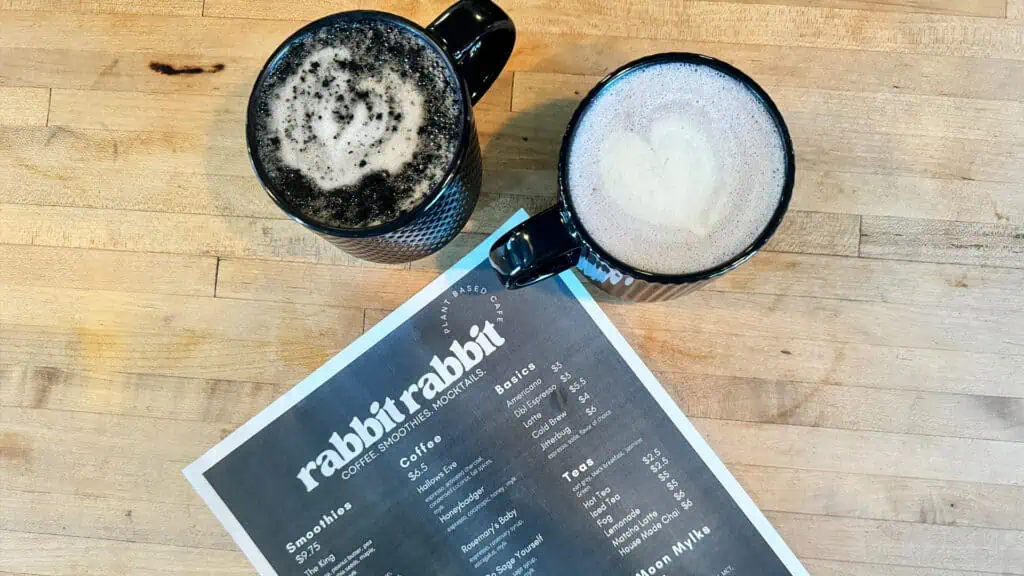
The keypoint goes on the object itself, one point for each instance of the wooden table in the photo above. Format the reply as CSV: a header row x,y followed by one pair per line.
x,y
864,378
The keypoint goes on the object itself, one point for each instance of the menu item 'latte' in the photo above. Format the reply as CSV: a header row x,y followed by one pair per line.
x,y
676,168
358,123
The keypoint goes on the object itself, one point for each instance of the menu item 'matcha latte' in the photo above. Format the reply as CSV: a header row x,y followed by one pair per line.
x,y
358,123
676,168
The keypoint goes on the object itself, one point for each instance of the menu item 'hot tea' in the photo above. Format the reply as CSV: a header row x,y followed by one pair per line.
x,y
676,168
358,122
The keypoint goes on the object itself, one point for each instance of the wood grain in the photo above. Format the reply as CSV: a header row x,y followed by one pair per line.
x,y
827,320
857,452
990,8
789,66
803,360
46,555
834,568
932,547
168,7
138,521
847,407
23,106
43,266
778,25
159,313
187,354
952,286
914,500
909,196
229,402
943,241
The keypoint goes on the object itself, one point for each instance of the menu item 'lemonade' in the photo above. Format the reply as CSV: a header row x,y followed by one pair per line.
x,y
676,168
358,122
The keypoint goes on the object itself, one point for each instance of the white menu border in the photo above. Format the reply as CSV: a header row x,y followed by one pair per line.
x,y
194,472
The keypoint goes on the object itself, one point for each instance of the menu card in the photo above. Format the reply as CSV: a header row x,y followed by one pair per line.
x,y
480,431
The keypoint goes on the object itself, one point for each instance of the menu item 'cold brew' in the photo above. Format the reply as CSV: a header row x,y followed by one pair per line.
x,y
358,122
676,168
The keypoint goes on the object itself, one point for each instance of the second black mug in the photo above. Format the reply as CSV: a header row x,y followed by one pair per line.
x,y
556,239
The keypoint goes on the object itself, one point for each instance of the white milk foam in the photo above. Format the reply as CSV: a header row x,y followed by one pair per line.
x,y
676,168
333,151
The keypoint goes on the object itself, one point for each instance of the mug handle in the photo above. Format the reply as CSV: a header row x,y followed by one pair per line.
x,y
534,250
479,36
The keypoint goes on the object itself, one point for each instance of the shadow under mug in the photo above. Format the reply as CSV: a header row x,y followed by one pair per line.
x,y
555,240
475,39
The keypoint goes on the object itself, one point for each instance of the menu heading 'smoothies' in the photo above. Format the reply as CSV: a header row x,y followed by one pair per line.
x,y
479,431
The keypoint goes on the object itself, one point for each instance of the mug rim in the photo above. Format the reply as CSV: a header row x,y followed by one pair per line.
x,y
466,120
565,198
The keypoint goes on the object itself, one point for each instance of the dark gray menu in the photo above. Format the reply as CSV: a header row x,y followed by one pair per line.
x,y
485,432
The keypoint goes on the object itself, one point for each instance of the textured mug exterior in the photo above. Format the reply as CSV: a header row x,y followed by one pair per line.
x,y
434,226
621,285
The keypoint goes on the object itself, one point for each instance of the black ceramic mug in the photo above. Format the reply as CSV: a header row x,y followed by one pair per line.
x,y
555,240
475,38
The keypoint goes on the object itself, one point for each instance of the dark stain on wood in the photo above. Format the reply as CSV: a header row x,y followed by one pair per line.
x,y
45,379
170,70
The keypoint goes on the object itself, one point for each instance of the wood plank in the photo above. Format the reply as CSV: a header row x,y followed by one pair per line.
x,y
30,465
784,66
57,150
900,114
989,8
23,106
797,317
817,233
830,362
104,351
422,12
901,543
260,238
210,38
102,455
847,407
138,112
165,7
185,525
44,266
228,402
159,313
857,452
81,435
777,25
313,284
835,568
953,286
882,498
823,150
106,69
942,241
47,555
908,196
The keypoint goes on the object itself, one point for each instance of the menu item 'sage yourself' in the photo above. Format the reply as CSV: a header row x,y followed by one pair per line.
x,y
479,431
